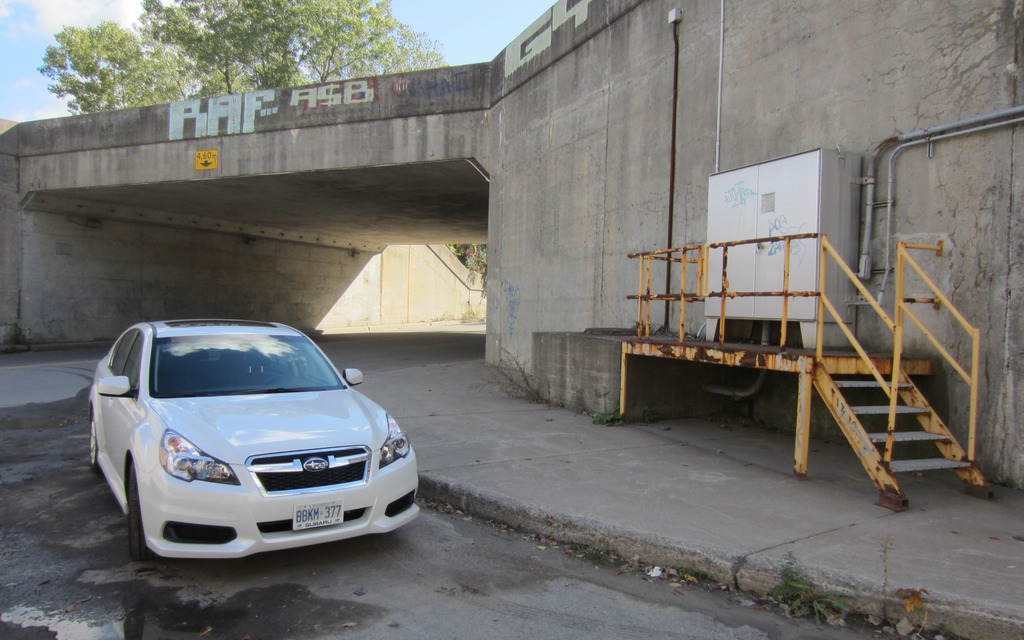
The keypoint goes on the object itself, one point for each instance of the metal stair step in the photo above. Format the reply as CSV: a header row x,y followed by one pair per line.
x,y
865,384
907,436
883,409
929,464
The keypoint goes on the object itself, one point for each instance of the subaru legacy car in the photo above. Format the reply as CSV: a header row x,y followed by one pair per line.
x,y
223,438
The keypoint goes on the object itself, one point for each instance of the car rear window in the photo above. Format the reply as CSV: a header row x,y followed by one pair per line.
x,y
237,364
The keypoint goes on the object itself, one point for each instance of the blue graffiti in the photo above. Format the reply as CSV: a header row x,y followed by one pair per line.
x,y
738,195
780,226
512,294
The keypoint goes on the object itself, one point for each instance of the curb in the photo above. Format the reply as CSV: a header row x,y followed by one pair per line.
x,y
738,573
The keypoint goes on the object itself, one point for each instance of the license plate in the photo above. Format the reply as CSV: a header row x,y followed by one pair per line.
x,y
321,514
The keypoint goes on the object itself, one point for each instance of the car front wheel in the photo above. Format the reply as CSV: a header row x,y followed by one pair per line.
x,y
137,548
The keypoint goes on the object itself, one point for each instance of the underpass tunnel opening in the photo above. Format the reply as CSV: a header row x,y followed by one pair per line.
x,y
324,251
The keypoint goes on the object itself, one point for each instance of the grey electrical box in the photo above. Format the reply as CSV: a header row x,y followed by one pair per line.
x,y
813,192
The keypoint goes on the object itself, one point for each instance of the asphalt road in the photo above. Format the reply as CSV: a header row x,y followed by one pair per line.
x,y
65,572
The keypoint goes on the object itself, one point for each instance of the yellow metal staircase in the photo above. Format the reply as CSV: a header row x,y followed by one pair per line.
x,y
916,422
877,405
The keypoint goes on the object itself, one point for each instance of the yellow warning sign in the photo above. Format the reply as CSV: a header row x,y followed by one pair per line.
x,y
206,159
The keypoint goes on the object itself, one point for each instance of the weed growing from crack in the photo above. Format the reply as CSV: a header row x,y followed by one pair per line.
x,y
609,418
803,599
519,383
887,546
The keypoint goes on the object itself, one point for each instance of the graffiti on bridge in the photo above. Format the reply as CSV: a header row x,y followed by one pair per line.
x,y
238,113
537,37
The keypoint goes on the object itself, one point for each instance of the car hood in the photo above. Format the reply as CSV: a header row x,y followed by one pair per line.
x,y
233,428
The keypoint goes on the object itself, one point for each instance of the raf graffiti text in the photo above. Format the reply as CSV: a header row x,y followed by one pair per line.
x,y
223,115
238,113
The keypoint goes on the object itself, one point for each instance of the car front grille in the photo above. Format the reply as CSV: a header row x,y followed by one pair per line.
x,y
284,473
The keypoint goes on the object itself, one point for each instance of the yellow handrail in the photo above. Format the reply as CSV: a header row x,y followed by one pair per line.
x,y
827,250
683,256
903,258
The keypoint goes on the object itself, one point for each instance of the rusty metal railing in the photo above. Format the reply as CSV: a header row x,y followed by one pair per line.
x,y
683,257
896,326
816,370
939,300
700,255
725,294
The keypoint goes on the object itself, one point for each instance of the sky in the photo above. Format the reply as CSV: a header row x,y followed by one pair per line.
x,y
469,31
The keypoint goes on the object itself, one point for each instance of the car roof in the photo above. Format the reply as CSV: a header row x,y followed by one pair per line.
x,y
218,327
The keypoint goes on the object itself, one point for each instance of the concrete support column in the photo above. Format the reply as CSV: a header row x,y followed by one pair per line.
x,y
10,236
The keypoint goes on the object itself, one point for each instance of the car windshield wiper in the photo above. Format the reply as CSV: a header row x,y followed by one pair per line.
x,y
253,392
242,392
191,394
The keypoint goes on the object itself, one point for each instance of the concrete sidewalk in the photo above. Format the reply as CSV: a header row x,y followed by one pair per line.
x,y
713,496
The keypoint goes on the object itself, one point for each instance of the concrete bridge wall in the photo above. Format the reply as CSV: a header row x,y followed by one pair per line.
x,y
582,148
79,268
123,269
573,123
408,284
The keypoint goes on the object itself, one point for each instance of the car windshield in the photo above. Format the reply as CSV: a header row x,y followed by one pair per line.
x,y
237,364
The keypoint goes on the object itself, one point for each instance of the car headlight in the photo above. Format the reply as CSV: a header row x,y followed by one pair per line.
x,y
396,446
185,461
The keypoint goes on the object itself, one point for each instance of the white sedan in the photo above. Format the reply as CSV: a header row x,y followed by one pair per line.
x,y
223,438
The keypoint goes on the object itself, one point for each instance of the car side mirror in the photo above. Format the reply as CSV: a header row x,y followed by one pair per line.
x,y
114,386
353,377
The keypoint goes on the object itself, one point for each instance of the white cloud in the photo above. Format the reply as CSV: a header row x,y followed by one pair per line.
x,y
54,107
53,15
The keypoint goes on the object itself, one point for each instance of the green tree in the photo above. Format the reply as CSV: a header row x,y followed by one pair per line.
x,y
474,257
201,48
107,67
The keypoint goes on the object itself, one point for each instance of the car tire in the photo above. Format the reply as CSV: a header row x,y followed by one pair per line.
x,y
94,449
137,547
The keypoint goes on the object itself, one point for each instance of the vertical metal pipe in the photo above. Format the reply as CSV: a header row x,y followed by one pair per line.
x,y
672,167
721,71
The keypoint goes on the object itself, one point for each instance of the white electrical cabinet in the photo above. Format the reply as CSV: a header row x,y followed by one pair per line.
x,y
813,192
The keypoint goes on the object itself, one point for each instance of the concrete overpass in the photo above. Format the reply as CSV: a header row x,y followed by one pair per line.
x,y
590,136
353,166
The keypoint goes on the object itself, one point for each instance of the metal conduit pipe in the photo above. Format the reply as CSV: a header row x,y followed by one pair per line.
x,y
721,71
864,265
740,393
675,17
976,124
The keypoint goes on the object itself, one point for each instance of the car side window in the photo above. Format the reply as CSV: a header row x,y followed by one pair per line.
x,y
132,364
121,351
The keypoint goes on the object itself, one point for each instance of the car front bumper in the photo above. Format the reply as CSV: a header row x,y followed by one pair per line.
x,y
210,520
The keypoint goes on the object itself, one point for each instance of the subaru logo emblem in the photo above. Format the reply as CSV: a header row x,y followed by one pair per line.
x,y
315,464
